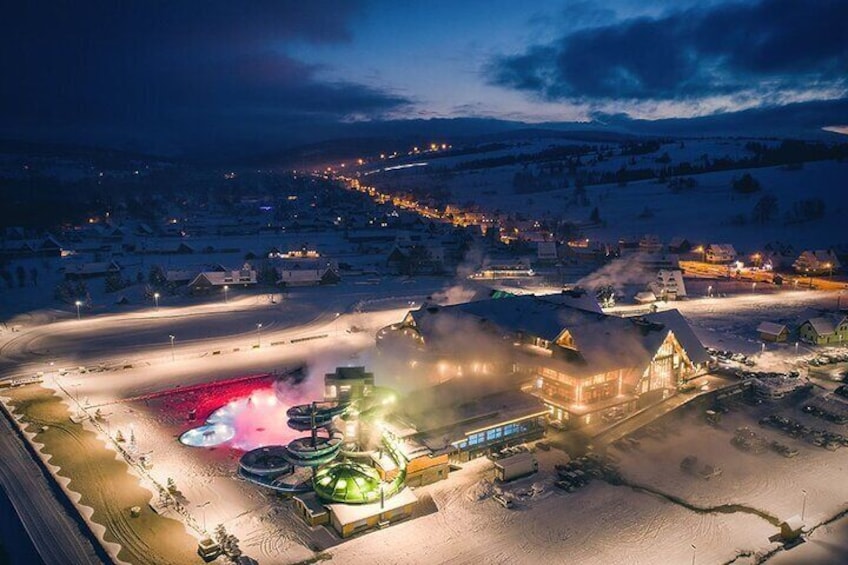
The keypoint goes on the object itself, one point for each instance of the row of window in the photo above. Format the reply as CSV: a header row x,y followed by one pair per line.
x,y
494,435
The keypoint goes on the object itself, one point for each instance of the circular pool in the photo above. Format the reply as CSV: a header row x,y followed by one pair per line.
x,y
208,435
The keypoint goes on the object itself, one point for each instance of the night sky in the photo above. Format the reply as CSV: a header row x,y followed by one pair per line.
x,y
167,74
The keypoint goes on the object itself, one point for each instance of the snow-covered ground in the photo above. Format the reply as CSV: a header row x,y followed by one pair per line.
x,y
709,212
599,523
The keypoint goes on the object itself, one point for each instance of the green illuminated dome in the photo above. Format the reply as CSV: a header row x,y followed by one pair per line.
x,y
348,482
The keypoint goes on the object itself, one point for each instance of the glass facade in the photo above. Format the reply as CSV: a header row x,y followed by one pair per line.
x,y
501,434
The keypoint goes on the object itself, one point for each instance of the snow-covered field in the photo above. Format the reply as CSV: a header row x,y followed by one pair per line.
x,y
709,212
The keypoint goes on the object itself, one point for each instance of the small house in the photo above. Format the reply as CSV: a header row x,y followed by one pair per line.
x,y
720,253
825,330
792,528
91,270
293,275
770,331
679,245
819,262
650,243
208,280
669,285
546,251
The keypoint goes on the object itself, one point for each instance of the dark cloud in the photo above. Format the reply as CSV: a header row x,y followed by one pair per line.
x,y
181,71
723,49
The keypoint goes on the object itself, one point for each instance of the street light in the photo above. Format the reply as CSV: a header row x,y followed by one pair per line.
x,y
226,288
78,304
693,553
172,347
156,299
753,287
709,291
803,505
258,335
203,508
336,322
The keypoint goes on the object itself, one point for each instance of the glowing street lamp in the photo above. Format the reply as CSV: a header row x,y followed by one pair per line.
x,y
258,335
156,299
172,347
226,288
710,291
78,304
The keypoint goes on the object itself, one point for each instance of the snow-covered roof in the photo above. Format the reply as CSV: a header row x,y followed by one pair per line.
x,y
602,342
822,325
722,248
645,297
92,268
674,321
530,315
349,513
216,278
302,275
448,412
771,328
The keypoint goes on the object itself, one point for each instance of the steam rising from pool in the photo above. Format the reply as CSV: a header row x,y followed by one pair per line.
x,y
246,423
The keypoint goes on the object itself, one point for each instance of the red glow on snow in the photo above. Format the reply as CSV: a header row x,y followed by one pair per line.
x,y
259,420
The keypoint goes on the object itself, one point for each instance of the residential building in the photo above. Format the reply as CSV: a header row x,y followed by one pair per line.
x,y
208,280
720,253
829,329
669,285
818,262
770,331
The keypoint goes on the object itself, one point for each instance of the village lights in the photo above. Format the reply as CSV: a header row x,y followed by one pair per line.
x,y
259,335
172,346
226,289
156,299
78,304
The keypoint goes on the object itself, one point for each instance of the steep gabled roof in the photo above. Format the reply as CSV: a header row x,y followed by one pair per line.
x,y
677,324
823,325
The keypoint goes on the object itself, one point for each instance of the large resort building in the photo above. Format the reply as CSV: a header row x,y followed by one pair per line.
x,y
580,362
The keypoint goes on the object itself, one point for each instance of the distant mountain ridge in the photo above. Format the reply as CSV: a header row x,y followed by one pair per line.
x,y
326,142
